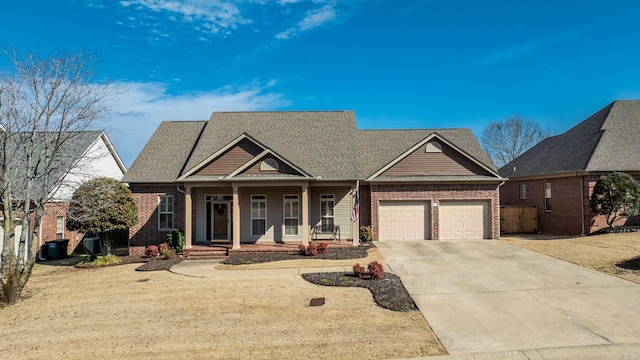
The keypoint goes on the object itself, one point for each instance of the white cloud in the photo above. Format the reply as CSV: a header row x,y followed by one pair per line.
x,y
214,15
139,110
312,19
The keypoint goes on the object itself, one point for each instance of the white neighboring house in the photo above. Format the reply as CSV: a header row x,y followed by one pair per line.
x,y
94,156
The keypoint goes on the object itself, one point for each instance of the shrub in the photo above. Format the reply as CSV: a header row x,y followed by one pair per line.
x,y
151,251
302,250
376,269
175,239
359,270
365,233
162,248
169,254
106,260
312,250
323,248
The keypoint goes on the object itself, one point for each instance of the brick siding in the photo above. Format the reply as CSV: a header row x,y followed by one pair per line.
x,y
567,205
49,229
434,193
146,231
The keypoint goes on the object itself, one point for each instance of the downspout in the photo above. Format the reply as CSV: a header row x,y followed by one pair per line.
x,y
183,192
499,185
582,204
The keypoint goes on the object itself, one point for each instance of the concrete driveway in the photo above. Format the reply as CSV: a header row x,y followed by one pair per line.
x,y
484,296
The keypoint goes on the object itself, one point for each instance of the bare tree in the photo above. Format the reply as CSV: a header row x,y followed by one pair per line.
x,y
45,103
508,139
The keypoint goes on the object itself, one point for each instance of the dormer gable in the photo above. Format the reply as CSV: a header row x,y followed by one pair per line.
x,y
434,156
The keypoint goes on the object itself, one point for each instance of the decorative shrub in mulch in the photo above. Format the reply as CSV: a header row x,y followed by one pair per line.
x,y
616,230
332,254
388,292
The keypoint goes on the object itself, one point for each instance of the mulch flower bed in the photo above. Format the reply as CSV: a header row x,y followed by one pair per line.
x,y
388,292
345,253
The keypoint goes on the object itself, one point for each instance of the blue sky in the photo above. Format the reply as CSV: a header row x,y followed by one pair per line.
x,y
398,64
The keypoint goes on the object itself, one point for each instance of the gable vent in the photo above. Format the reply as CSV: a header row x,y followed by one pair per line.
x,y
433,147
269,164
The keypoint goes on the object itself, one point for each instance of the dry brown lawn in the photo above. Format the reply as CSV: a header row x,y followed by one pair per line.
x,y
119,313
599,252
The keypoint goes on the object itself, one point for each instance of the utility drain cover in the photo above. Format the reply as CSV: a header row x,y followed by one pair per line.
x,y
317,302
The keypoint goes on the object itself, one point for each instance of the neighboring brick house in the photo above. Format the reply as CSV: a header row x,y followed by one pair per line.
x,y
558,174
274,177
92,155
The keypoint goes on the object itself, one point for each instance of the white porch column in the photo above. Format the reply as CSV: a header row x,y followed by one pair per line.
x,y
355,225
235,210
305,215
187,218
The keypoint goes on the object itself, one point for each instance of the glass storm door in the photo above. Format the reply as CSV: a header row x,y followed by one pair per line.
x,y
218,221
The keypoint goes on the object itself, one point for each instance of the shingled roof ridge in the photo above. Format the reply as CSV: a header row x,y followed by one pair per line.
x,y
193,147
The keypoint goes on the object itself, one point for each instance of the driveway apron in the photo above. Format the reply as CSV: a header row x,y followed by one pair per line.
x,y
488,295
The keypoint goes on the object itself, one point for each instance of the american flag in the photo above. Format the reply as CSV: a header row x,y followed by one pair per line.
x,y
356,207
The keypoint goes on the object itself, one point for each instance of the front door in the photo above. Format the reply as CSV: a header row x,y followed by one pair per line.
x,y
218,221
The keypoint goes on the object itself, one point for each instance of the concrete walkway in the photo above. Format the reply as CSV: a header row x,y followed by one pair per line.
x,y
207,269
497,300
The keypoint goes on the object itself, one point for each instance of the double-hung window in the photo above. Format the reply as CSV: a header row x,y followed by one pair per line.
x,y
291,211
258,215
327,203
165,212
547,197
60,227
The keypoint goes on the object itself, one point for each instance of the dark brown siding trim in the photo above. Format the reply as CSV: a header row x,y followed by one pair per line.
x,y
448,162
231,159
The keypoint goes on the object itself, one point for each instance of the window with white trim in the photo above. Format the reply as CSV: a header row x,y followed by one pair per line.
x,y
547,197
327,203
523,191
258,215
165,212
291,214
60,227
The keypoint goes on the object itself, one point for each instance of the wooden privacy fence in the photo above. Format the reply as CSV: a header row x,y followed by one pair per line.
x,y
518,219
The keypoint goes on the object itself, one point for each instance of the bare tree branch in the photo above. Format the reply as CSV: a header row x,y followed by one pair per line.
x,y
506,140
45,105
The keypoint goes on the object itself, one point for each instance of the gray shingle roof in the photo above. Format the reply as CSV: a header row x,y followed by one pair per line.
x,y
165,154
608,140
71,150
321,143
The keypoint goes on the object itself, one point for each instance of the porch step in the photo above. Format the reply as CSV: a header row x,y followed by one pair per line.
x,y
211,253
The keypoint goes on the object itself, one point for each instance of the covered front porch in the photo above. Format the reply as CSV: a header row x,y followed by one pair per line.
x,y
272,215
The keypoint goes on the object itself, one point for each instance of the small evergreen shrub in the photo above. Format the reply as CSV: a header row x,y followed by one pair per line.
x,y
376,269
151,251
175,239
365,233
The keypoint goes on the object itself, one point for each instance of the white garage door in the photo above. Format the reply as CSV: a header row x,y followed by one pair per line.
x,y
464,220
403,220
